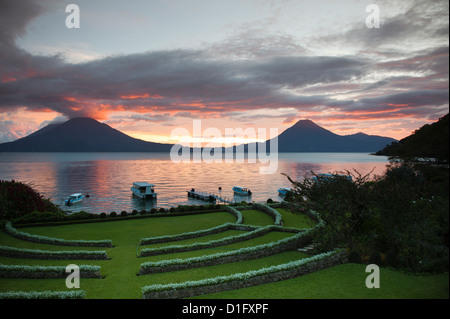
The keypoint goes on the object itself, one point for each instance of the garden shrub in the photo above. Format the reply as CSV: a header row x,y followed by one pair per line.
x,y
375,258
123,213
354,257
54,241
73,294
113,214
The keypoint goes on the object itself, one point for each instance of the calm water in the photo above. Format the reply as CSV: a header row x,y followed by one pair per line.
x,y
107,177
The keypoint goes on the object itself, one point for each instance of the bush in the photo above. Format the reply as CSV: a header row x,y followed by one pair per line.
x,y
391,259
354,257
123,213
134,212
143,212
102,215
75,294
375,258
171,209
153,211
162,210
269,201
18,199
82,215
113,214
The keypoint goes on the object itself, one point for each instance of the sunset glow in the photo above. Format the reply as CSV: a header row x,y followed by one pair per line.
x,y
263,69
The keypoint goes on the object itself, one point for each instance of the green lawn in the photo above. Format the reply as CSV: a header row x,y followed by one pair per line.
x,y
256,217
346,282
295,220
122,282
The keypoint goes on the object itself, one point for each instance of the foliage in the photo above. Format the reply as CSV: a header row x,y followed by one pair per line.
x,y
18,199
75,294
403,212
428,142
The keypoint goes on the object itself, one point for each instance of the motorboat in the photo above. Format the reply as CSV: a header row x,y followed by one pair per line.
x,y
74,198
241,191
328,177
144,190
283,191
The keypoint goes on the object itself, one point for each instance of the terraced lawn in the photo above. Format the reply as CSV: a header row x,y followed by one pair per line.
x,y
295,220
257,218
121,282
346,281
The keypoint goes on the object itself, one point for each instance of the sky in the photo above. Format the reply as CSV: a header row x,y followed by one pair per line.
x,y
147,67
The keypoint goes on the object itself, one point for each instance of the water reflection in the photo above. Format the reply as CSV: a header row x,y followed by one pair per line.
x,y
107,177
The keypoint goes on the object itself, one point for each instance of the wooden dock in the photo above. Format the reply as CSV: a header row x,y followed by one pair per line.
x,y
209,197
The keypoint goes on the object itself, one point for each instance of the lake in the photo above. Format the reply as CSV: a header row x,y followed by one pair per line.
x,y
107,177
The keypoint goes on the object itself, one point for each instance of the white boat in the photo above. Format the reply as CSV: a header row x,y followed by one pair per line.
x,y
144,190
241,191
74,198
283,191
328,177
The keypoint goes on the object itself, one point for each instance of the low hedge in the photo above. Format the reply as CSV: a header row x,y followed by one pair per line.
x,y
72,294
36,271
54,241
209,244
238,254
241,278
235,212
48,254
270,211
182,236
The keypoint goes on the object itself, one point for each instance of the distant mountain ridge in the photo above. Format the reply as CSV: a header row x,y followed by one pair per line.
x,y
307,136
89,135
81,135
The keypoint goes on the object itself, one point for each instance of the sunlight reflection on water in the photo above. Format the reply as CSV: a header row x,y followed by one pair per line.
x,y
107,177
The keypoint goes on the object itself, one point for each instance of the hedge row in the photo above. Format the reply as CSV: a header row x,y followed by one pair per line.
x,y
235,212
244,279
54,241
270,211
299,239
182,236
209,244
48,254
73,294
197,233
26,271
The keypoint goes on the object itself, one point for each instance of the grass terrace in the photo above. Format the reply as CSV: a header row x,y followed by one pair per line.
x,y
119,278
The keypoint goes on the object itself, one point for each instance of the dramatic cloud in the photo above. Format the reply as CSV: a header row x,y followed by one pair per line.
x,y
399,70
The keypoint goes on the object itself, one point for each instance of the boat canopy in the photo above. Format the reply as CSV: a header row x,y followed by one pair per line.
x,y
143,184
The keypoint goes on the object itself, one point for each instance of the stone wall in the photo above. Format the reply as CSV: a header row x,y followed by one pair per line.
x,y
292,244
311,267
